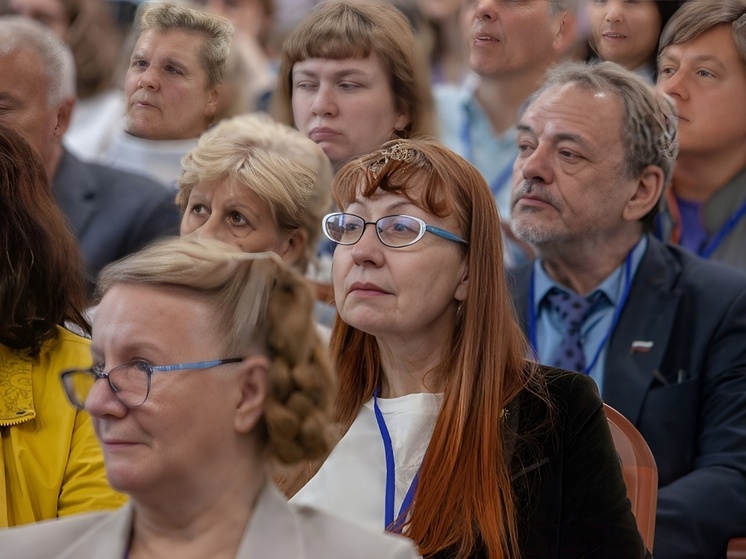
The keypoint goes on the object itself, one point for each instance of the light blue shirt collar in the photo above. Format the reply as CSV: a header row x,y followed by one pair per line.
x,y
596,330
612,287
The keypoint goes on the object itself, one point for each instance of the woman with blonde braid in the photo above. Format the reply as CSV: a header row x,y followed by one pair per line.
x,y
206,363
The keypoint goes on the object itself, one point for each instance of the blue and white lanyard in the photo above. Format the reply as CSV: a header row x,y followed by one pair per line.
x,y
725,230
391,524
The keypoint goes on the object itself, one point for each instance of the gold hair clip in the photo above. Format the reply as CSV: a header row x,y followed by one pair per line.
x,y
397,152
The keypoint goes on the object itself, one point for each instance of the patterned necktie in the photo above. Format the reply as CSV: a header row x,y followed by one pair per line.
x,y
573,309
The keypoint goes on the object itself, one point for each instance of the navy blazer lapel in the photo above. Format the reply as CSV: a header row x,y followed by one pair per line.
x,y
75,191
639,342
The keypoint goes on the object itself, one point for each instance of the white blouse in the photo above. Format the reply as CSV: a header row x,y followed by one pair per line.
x,y
352,481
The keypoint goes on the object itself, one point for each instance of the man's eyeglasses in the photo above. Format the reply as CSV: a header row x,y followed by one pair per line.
x,y
395,231
130,381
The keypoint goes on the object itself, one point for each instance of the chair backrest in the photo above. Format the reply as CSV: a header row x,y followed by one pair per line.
x,y
639,470
737,548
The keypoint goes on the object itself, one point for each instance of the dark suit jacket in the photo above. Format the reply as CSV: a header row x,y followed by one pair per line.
x,y
568,487
112,213
686,394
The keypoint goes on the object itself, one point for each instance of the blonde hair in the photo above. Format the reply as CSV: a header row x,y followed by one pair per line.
x,y
258,302
288,171
216,32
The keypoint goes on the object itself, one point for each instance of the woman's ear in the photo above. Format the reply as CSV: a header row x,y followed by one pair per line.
x,y
403,119
254,392
462,288
295,247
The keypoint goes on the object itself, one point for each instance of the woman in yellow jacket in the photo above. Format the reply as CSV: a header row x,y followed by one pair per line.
x,y
51,462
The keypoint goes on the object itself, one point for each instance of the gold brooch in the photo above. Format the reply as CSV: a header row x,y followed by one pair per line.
x,y
397,152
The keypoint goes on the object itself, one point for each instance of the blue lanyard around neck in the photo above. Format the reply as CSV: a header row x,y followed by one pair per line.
x,y
724,231
615,319
497,183
390,524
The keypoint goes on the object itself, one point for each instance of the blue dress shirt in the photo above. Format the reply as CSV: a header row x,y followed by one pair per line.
x,y
549,325
465,128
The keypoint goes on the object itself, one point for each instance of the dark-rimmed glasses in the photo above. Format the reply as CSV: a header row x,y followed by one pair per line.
x,y
395,231
130,381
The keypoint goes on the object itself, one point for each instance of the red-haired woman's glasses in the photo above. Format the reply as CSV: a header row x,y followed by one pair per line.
x,y
395,231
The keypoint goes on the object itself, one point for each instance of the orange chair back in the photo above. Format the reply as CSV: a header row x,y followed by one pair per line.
x,y
639,470
737,548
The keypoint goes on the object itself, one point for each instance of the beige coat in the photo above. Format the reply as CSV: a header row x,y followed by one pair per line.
x,y
276,530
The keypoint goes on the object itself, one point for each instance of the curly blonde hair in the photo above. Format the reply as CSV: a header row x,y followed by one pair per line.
x,y
286,170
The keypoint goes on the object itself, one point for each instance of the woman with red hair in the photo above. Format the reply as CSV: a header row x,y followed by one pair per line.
x,y
452,436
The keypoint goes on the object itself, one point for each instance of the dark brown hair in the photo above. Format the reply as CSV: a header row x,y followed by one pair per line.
x,y
42,279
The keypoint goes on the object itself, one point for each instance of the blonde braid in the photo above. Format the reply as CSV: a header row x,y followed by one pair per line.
x,y
300,376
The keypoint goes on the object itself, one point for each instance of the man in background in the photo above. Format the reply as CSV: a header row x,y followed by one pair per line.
x,y
660,330
702,66
171,90
112,213
511,46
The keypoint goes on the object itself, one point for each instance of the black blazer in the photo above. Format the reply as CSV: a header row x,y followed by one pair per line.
x,y
686,394
111,212
568,486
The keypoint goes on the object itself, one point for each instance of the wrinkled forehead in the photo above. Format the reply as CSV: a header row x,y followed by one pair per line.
x,y
184,44
575,106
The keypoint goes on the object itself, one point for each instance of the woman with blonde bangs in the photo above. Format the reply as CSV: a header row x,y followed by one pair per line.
x,y
258,185
451,436
352,76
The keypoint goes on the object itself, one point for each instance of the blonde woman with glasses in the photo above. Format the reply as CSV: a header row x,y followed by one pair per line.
x,y
206,367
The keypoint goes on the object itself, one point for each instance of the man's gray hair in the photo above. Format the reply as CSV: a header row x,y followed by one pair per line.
x,y
54,57
650,123
649,119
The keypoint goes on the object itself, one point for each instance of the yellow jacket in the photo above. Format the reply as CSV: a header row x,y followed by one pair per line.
x,y
52,462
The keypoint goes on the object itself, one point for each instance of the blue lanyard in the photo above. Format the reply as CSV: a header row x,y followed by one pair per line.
x,y
504,174
615,319
389,523
725,230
